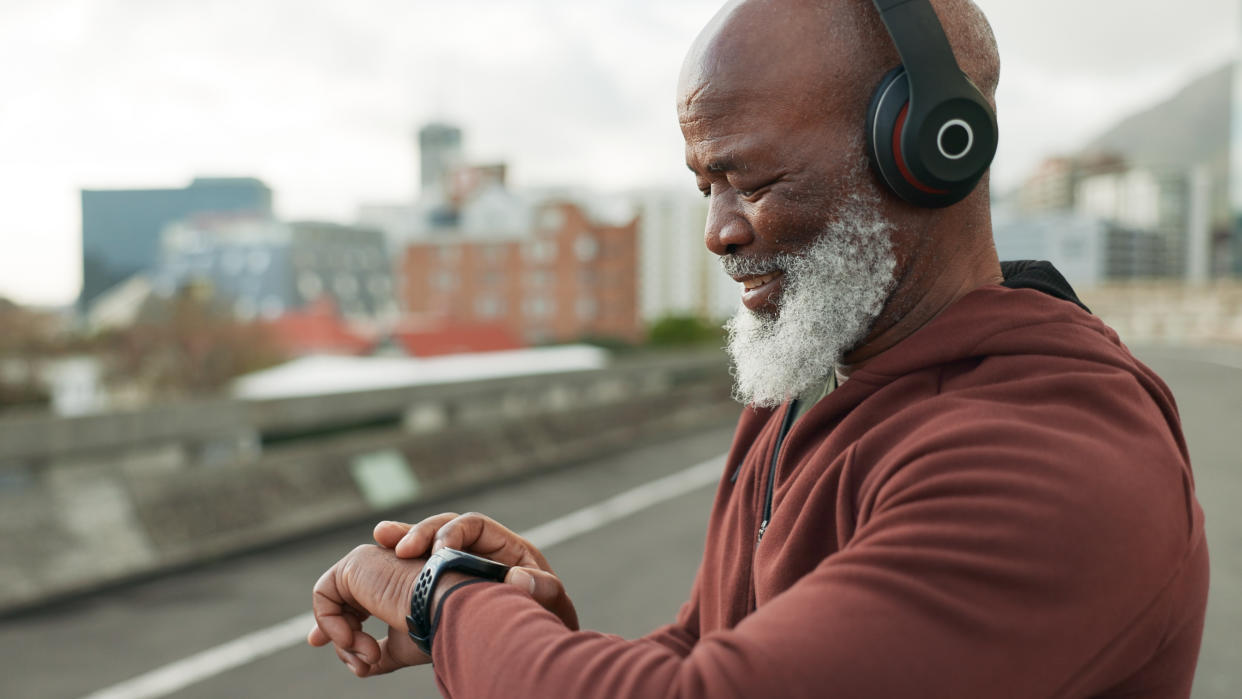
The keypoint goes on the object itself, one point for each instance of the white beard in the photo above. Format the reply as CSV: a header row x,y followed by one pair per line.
x,y
831,296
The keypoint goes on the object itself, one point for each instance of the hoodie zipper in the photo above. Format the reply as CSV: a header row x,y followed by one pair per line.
x,y
776,454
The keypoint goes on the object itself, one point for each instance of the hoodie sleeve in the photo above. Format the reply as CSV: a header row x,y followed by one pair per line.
x,y
681,635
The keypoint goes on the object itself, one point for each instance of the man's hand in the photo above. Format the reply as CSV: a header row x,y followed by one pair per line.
x,y
483,536
368,581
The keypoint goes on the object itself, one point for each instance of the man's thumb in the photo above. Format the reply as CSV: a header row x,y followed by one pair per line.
x,y
543,586
547,590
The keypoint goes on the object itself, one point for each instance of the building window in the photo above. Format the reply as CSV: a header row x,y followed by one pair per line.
x,y
586,247
587,308
541,250
444,280
448,254
487,307
551,219
538,307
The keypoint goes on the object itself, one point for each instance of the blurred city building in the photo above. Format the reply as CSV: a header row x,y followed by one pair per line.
x,y
1074,244
266,268
440,153
1157,184
455,198
484,267
121,228
571,277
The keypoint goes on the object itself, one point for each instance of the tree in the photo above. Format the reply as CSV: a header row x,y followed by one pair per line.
x,y
186,345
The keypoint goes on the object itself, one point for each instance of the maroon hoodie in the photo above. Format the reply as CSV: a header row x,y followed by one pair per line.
x,y
1000,506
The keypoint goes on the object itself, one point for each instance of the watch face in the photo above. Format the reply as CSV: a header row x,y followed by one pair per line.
x,y
470,563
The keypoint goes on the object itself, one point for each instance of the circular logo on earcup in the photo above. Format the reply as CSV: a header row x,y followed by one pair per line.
x,y
955,139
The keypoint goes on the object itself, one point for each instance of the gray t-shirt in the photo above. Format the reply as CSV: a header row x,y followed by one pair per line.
x,y
815,394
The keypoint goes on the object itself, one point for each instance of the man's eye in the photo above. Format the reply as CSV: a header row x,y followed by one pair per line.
x,y
752,191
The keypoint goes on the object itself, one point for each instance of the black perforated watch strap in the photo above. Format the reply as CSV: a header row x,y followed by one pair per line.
x,y
420,622
425,643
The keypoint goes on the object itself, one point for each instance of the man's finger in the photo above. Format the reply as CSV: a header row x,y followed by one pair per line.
x,y
339,620
398,651
486,537
544,587
419,537
388,534
330,610
355,664
317,638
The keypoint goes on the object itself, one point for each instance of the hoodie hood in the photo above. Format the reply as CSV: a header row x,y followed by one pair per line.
x,y
1034,313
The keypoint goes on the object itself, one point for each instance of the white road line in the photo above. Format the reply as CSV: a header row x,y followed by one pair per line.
x,y
216,661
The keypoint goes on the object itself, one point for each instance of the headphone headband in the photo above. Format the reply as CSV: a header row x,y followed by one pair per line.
x,y
924,49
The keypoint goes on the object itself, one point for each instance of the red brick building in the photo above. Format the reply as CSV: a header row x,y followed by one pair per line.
x,y
570,278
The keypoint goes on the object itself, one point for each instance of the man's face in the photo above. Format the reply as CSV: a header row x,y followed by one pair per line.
x,y
772,179
797,220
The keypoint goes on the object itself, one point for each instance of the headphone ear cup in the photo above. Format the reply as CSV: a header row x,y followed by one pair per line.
x,y
885,120
886,104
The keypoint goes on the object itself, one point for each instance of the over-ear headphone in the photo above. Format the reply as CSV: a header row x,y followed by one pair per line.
x,y
931,135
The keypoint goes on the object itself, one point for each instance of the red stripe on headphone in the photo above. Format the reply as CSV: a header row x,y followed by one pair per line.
x,y
901,161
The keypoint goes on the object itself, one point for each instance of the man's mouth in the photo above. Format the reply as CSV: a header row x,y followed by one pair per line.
x,y
752,284
761,292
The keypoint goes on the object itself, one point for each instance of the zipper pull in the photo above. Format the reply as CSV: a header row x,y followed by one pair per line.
x,y
763,527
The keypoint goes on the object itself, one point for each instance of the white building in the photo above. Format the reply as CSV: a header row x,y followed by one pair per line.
x,y
678,275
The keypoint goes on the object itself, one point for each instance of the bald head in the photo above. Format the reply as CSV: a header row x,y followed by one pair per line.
x,y
820,55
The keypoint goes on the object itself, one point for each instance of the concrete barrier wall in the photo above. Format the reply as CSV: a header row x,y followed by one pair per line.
x,y
1171,313
108,498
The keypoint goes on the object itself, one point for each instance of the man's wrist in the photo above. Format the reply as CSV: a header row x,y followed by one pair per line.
x,y
447,582
444,571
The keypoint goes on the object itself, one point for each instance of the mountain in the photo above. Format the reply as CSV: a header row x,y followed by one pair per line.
x,y
1189,128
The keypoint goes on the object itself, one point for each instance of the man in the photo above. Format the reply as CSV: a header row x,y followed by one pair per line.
x,y
947,484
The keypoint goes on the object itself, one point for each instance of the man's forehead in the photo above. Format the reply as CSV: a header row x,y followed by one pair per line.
x,y
740,147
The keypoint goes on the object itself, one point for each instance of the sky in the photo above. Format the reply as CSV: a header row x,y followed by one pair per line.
x,y
321,99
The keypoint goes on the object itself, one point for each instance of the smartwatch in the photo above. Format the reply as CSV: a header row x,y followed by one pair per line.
x,y
420,622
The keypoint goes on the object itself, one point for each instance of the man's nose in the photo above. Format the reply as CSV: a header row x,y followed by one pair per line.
x,y
726,229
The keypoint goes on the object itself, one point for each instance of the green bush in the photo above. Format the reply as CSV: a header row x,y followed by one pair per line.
x,y
672,331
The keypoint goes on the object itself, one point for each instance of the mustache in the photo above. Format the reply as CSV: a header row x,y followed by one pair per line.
x,y
737,266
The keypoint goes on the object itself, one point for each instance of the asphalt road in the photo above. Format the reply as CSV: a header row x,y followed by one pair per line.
x,y
96,642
